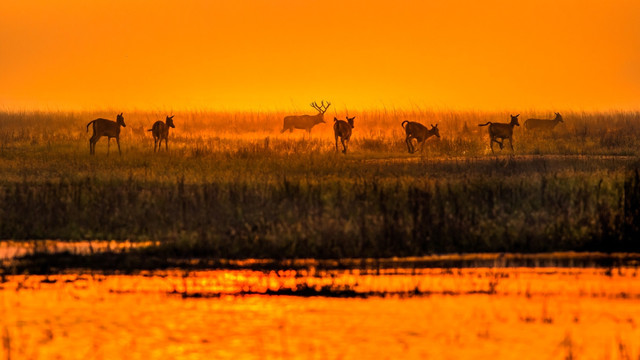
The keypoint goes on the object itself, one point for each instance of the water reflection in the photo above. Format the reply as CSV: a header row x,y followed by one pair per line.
x,y
466,313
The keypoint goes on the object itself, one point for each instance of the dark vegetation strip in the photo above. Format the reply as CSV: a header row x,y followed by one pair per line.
x,y
302,219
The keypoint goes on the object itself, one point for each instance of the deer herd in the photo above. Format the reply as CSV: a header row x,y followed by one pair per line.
x,y
498,132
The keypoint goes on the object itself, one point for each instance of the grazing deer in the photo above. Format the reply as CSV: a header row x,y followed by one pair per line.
x,y
419,132
108,128
160,131
306,122
138,131
502,131
543,124
342,129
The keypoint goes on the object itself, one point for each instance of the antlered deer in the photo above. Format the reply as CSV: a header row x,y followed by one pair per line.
x,y
160,131
415,130
108,128
306,122
342,130
543,124
502,131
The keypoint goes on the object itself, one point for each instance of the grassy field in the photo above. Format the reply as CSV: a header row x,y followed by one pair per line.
x,y
232,186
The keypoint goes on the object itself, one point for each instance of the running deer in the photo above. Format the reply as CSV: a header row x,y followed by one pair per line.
x,y
160,131
342,130
419,132
543,124
502,131
108,128
306,122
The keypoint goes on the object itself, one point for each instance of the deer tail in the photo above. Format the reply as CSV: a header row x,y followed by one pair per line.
x,y
485,124
90,122
403,124
150,130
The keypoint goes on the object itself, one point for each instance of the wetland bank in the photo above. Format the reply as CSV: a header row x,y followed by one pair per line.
x,y
217,230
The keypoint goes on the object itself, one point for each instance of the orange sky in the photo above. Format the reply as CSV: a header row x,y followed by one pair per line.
x,y
276,54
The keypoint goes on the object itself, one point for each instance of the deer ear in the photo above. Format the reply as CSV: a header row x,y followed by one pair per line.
x,y
517,115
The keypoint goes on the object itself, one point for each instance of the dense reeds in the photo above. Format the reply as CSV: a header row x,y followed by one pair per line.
x,y
233,187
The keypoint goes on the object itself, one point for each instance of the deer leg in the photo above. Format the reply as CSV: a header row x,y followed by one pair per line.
x,y
155,143
118,142
344,146
166,144
336,136
511,143
491,145
408,141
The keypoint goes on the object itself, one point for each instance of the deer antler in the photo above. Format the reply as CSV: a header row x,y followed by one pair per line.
x,y
315,106
323,107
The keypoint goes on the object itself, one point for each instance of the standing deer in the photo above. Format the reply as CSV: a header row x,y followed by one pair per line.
x,y
502,131
160,131
342,129
108,128
415,130
306,122
543,124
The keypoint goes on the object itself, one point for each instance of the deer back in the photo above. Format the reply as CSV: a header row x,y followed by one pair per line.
x,y
303,121
342,129
160,130
501,130
416,130
104,127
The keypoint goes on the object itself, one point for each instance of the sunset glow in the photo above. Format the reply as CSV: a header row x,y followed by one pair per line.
x,y
264,55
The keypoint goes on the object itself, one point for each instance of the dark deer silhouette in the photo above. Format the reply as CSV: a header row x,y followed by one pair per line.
x,y
502,131
342,130
108,128
306,122
543,124
160,131
415,130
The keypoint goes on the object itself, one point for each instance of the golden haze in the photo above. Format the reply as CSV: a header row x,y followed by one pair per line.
x,y
239,55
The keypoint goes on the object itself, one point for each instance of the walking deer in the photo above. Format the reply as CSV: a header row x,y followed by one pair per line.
x,y
342,129
306,122
108,128
160,131
502,131
543,124
415,130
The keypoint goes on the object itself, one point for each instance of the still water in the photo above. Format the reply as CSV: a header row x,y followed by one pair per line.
x,y
479,313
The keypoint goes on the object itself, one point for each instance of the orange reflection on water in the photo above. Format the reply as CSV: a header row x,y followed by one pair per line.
x,y
467,313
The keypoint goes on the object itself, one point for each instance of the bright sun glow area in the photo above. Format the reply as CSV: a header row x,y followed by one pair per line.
x,y
267,55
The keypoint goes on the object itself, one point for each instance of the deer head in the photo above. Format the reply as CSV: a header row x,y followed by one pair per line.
x,y
169,121
322,108
514,120
350,121
120,120
434,130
